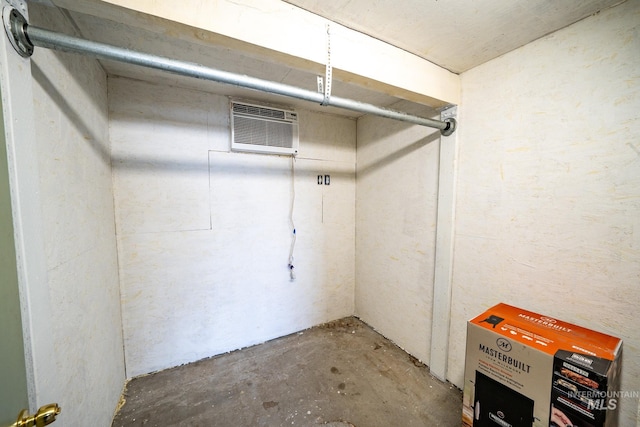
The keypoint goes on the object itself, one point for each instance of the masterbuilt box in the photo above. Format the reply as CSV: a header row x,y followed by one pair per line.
x,y
526,369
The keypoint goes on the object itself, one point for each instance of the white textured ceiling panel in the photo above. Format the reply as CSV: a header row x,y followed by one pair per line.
x,y
456,34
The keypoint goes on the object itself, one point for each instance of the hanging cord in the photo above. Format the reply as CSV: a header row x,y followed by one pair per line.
x,y
292,274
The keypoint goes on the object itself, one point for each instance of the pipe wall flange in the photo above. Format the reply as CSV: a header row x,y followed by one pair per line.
x,y
451,127
15,27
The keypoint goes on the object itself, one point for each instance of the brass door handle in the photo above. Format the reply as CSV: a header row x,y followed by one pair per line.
x,y
45,416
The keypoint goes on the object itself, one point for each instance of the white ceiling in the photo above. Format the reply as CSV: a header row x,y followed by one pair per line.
x,y
456,34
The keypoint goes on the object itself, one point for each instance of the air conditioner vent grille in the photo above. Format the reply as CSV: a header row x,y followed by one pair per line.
x,y
261,132
255,110
260,129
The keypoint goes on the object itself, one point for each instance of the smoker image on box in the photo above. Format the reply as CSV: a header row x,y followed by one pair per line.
x,y
579,390
498,405
493,320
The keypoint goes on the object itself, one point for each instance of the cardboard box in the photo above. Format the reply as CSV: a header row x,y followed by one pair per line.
x,y
526,369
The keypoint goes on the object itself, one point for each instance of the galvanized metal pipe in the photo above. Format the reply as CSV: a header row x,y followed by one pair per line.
x,y
52,40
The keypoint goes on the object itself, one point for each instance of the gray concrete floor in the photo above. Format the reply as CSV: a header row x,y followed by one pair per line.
x,y
339,374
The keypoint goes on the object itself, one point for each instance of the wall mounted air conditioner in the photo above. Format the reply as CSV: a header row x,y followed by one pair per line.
x,y
263,129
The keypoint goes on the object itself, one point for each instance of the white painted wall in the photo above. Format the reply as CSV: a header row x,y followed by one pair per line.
x,y
397,188
204,235
83,367
548,207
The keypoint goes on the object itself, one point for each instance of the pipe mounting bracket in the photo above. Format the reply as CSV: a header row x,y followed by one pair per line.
x,y
15,26
451,126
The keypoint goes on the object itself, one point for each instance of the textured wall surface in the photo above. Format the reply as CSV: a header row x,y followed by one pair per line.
x,y
548,208
204,234
84,369
397,190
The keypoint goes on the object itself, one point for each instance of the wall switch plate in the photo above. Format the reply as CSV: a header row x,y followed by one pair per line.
x,y
327,180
